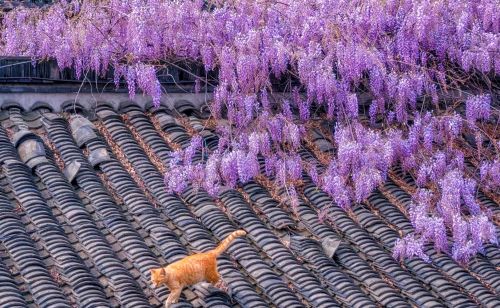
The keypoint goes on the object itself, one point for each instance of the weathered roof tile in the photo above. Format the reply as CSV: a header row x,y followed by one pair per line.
x,y
106,219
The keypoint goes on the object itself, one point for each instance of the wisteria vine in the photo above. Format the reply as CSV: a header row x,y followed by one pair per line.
x,y
406,55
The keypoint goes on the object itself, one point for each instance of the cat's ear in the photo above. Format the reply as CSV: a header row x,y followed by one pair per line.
x,y
163,271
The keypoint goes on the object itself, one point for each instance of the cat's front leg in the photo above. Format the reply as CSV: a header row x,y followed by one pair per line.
x,y
169,299
173,297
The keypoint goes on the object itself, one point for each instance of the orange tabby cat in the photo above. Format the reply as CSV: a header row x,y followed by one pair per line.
x,y
192,269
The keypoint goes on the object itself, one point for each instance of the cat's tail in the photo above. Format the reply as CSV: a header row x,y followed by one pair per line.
x,y
227,241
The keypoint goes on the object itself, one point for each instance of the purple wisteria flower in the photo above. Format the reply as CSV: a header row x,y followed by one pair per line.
x,y
478,107
323,55
409,247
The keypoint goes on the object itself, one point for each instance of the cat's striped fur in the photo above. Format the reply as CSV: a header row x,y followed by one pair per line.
x,y
191,269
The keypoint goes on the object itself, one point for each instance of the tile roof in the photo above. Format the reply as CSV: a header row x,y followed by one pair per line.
x,y
84,215
7,5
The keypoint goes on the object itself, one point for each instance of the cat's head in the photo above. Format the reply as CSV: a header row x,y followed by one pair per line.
x,y
158,276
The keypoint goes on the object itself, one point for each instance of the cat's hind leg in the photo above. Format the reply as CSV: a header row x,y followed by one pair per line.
x,y
213,276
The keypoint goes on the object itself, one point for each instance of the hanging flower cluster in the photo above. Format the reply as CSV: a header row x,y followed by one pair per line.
x,y
403,54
